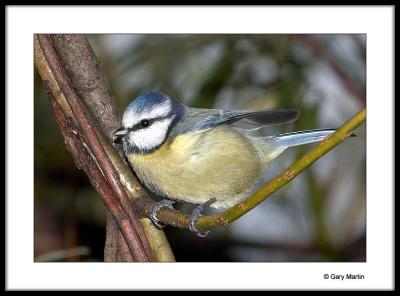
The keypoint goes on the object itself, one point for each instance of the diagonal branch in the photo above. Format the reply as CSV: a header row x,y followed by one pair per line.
x,y
92,88
132,229
83,160
206,222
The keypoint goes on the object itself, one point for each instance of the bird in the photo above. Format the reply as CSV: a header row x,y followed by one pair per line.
x,y
207,157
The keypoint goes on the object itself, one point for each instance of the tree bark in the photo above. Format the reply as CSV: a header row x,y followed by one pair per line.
x,y
84,70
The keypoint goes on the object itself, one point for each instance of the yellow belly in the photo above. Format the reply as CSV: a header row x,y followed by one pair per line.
x,y
220,163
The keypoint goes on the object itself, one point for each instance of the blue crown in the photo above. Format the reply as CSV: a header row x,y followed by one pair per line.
x,y
147,101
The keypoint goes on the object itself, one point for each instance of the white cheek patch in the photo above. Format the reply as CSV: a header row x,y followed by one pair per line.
x,y
152,136
131,118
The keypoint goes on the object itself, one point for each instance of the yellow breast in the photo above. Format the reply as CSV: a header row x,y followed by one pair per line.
x,y
195,167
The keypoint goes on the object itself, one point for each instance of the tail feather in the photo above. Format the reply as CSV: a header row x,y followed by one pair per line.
x,y
302,137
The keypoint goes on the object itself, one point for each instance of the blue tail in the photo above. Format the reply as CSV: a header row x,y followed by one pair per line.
x,y
303,137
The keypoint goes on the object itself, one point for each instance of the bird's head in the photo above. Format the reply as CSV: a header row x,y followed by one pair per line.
x,y
147,121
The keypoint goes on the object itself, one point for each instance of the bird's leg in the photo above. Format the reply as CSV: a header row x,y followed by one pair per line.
x,y
195,215
154,210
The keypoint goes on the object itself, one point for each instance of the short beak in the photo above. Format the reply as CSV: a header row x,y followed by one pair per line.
x,y
119,133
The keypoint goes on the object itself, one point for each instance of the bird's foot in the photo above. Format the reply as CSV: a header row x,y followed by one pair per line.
x,y
153,212
195,215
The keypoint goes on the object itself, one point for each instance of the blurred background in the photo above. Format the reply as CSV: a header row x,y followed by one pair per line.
x,y
319,216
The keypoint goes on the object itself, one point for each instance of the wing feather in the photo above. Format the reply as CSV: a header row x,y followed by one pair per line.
x,y
204,119
262,117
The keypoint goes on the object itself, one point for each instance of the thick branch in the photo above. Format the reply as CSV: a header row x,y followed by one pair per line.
x,y
87,77
135,237
84,161
156,237
84,70
110,246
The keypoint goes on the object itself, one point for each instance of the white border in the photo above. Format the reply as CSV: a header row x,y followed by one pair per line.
x,y
23,21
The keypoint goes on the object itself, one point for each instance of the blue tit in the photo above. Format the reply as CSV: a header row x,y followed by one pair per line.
x,y
202,156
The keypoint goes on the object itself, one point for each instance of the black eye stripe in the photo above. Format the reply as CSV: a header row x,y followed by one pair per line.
x,y
149,121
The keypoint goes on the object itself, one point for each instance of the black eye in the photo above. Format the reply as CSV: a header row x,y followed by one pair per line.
x,y
144,123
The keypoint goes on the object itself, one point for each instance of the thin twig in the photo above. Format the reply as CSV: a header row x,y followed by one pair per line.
x,y
131,228
207,222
